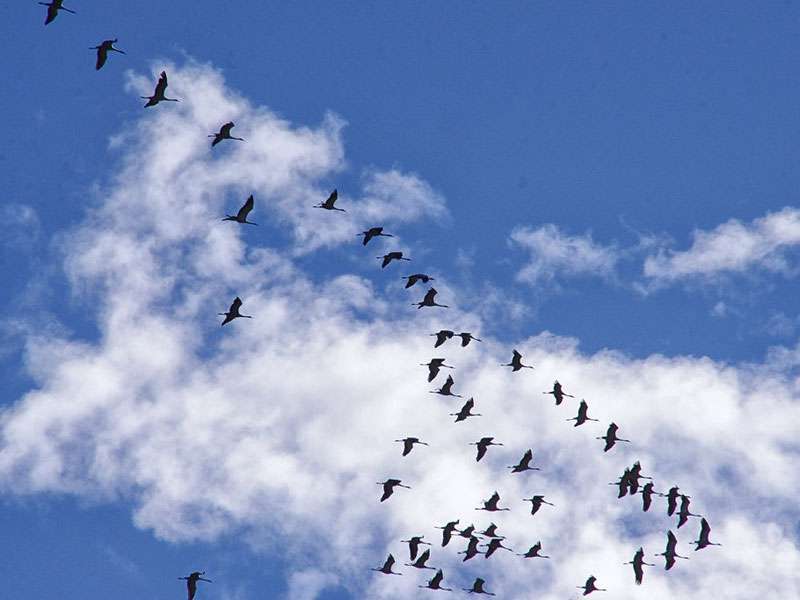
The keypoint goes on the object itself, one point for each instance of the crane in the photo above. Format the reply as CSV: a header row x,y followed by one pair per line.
x,y
558,393
329,203
191,582
428,300
241,216
224,133
388,487
158,94
408,444
524,463
464,413
233,312
103,49
53,8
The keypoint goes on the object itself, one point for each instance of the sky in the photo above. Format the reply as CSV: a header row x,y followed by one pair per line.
x,y
610,189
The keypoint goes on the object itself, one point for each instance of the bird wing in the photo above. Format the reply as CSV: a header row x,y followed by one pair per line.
x,y
481,451
236,305
389,563
331,199
161,86
246,208
102,55
429,296
437,579
225,130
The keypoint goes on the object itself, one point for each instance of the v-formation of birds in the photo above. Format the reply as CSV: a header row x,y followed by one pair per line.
x,y
627,485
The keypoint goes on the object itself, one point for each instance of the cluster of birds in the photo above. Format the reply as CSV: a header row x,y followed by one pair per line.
x,y
627,485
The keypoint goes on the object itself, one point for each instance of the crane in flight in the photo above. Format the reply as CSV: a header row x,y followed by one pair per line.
x,y
434,366
472,549
623,484
388,258
386,569
191,582
420,562
533,551
465,411
429,300
683,512
647,495
558,393
467,532
494,545
583,414
483,445
611,437
516,363
590,586
413,545
524,463
638,563
329,203
224,133
705,532
669,553
435,583
158,94
371,233
389,485
466,338
102,52
408,444
477,587
536,503
491,532
447,531
672,499
491,504
241,216
53,8
233,312
447,388
412,279
442,336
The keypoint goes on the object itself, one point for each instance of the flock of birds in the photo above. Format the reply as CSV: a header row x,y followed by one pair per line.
x,y
627,485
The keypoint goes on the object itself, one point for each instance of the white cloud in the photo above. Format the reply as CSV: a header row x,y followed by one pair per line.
x,y
281,425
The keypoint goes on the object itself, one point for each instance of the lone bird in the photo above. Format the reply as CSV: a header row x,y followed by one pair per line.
x,y
191,582
408,444
388,258
647,495
590,586
536,503
705,532
435,583
224,133
483,445
329,203
412,279
428,300
558,393
386,569
158,94
241,216
491,504
442,336
447,388
524,463
494,545
233,312
447,531
638,563
684,513
533,551
466,338
434,366
102,52
472,549
611,437
670,554
373,232
477,587
420,562
516,363
388,487
465,411
53,8
583,414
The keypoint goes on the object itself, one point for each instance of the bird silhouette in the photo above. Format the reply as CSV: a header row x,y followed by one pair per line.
x,y
477,587
447,388
435,583
611,437
623,484
434,366
464,413
705,532
647,495
224,133
241,216
494,545
670,554
233,312
388,258
533,551
102,52
447,531
158,94
558,393
638,563
53,8
483,445
420,562
583,416
684,513
408,444
590,586
524,463
635,474
672,500
428,300
371,233
388,487
472,549
191,582
467,532
386,569
491,504
412,279
491,531
466,338
329,203
536,503
516,363
442,336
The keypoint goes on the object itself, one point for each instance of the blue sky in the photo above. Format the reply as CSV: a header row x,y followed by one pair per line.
x,y
620,176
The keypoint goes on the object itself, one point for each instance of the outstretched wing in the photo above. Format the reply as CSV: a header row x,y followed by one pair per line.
x,y
245,210
225,130
161,86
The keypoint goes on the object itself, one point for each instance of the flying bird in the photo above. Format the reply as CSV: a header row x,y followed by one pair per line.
x,y
241,216
388,258
494,545
413,545
524,463
491,504
466,338
611,437
447,531
53,8
412,279
672,500
472,549
388,487
647,495
224,133
705,532
670,554
191,582
477,587
516,363
558,393
102,52
233,312
158,94
386,569
329,203
408,444
420,562
373,232
583,414
590,586
447,388
428,300
434,366
623,484
435,583
442,336
684,513
638,563
467,532
536,503
533,552
491,531
483,445
465,411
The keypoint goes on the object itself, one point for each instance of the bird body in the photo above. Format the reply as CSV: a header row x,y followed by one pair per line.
x,y
472,549
524,463
491,531
464,413
388,487
447,388
638,563
421,560
233,312
447,531
442,336
516,363
102,52
429,300
158,94
414,544
435,582
558,393
533,551
466,338
224,133
647,496
536,503
483,445
611,437
705,532
684,513
373,232
191,582
434,366
491,504
329,203
386,569
670,554
412,279
590,586
53,8
477,587
583,414
494,545
241,216
408,444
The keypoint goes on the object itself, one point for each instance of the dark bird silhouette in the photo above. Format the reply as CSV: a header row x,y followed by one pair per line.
x,y
672,500
623,484
516,363
241,216
533,552
684,513
412,279
224,133
420,562
102,52
467,532
466,338
388,258
233,312
408,444
634,475
386,569
447,388
638,563
462,414
590,586
558,393
611,437
477,587
583,411
491,504
442,336
491,531
428,300
536,503
158,94
435,583
388,487
524,463
413,545
434,366
647,496
670,554
53,8
705,532
191,582
494,545
483,445
447,531
373,232
472,549
329,203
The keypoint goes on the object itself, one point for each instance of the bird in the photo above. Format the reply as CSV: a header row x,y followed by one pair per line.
x,y
442,336
224,133
412,279
670,554
329,203
241,216
428,300
53,8
420,562
491,531
582,417
524,463
558,393
462,414
466,338
647,495
477,587
536,503
447,388
590,586
467,532
638,563
672,500
386,569
483,445
623,484
408,444
533,551
388,258
414,544
491,504
705,531
635,474
388,487
494,545
102,52
373,232
447,531
434,366
611,437
683,512
191,582
472,549
158,94
233,312
435,582
516,363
